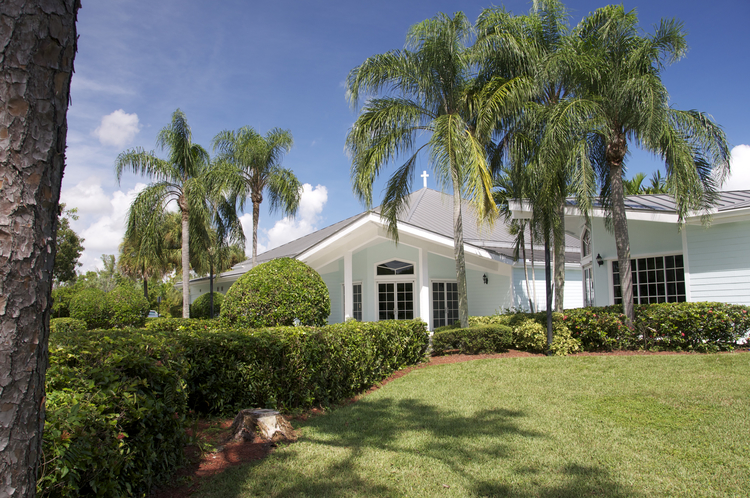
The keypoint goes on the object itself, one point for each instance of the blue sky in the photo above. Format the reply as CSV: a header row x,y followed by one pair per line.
x,y
283,64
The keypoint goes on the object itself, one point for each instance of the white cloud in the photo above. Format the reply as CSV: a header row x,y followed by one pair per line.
x,y
739,178
80,83
312,201
311,205
103,233
118,129
88,197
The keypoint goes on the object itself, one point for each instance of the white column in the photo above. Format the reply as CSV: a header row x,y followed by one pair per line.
x,y
685,262
424,289
348,301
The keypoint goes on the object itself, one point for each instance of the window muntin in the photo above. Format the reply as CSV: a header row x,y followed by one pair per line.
x,y
395,267
396,301
444,303
586,243
655,280
588,286
357,301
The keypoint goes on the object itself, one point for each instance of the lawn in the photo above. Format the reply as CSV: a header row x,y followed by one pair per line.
x,y
618,426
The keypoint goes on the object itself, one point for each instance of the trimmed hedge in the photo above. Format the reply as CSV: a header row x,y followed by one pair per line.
x,y
127,307
115,414
201,308
296,367
473,340
117,400
281,292
66,325
90,306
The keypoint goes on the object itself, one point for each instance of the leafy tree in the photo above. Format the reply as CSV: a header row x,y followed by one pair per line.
x,y
629,104
251,165
184,178
69,247
105,279
39,46
635,185
428,88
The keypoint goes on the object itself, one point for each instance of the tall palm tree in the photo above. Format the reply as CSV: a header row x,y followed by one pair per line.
x,y
631,105
251,165
182,178
538,49
427,88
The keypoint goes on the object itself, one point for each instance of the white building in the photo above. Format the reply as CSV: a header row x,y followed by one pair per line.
x,y
370,278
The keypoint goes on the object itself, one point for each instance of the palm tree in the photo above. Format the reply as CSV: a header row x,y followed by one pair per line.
x,y
630,105
251,164
539,50
429,87
182,178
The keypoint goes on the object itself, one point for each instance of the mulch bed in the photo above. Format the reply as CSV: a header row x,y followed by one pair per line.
x,y
213,433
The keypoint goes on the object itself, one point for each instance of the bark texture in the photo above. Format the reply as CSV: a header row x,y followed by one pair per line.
x,y
458,254
560,259
38,43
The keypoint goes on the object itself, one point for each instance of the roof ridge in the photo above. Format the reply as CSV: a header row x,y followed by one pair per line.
x,y
413,208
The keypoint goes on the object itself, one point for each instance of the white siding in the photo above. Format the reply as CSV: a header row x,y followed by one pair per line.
x,y
719,259
487,299
573,288
333,281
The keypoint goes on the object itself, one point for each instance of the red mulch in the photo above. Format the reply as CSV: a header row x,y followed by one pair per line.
x,y
202,466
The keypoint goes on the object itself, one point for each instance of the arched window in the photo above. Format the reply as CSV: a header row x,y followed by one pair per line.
x,y
395,267
586,243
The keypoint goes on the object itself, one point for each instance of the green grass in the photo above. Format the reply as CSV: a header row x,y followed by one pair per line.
x,y
618,426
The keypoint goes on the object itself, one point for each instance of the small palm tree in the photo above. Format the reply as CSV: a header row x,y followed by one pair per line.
x,y
250,165
429,88
182,178
631,105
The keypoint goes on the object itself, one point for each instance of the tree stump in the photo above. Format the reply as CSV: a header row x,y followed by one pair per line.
x,y
270,426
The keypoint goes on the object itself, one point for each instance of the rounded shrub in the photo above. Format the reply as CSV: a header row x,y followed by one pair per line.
x,y
66,324
531,335
277,293
201,307
127,307
90,306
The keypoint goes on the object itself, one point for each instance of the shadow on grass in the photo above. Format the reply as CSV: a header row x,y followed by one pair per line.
x,y
387,447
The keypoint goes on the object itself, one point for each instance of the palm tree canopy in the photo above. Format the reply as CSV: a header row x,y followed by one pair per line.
x,y
430,89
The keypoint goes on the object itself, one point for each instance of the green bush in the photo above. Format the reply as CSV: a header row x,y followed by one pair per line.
x,y
201,307
295,367
66,325
275,294
127,307
600,329
90,306
473,340
115,414
61,298
530,335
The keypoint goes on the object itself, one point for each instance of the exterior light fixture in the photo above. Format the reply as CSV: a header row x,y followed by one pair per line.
x,y
599,260
485,279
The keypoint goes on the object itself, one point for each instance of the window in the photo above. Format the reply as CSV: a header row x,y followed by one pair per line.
x,y
444,303
586,243
395,268
357,301
396,301
588,286
655,280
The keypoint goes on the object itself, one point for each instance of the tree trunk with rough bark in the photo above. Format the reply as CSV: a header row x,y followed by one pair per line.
x,y
257,199
458,254
38,42
560,259
615,154
185,259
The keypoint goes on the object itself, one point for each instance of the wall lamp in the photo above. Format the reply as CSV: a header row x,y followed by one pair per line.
x,y
485,279
599,260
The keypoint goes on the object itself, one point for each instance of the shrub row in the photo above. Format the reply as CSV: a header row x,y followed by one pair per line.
x,y
115,413
123,306
201,307
475,339
117,399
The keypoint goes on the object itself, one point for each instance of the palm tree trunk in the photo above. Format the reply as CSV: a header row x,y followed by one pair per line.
x,y
616,150
560,259
548,284
36,72
145,282
185,264
526,267
458,254
211,287
256,216
533,267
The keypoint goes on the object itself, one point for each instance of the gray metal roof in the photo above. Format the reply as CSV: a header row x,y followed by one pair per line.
x,y
426,209
727,201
